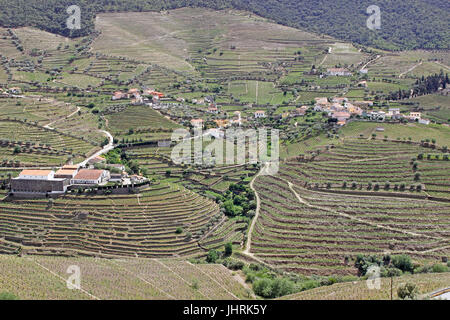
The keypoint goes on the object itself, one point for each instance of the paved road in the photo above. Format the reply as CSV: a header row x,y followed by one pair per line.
x,y
105,149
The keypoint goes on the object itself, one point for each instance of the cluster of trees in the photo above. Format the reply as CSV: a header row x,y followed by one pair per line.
x,y
416,24
395,265
119,156
425,85
238,200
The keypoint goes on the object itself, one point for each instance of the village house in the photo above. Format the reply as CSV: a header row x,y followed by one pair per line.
x,y
213,109
336,107
424,121
414,116
363,104
197,123
394,113
300,111
222,123
15,90
339,100
118,95
37,174
353,109
91,177
260,114
96,160
338,72
377,115
341,116
322,101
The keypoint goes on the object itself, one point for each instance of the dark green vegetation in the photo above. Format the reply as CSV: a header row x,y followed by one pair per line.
x,y
405,24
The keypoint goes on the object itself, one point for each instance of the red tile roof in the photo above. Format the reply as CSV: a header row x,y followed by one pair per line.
x,y
87,174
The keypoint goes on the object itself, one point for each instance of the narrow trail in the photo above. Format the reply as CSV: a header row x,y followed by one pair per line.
x,y
370,61
323,60
258,206
410,69
48,126
442,65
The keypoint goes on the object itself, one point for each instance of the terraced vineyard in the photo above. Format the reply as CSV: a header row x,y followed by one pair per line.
x,y
358,290
40,277
322,232
39,146
325,224
141,225
369,165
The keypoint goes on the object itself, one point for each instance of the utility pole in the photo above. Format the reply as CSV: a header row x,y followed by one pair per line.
x,y
391,287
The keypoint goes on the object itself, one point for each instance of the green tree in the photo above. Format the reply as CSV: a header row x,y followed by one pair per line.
x,y
228,249
212,256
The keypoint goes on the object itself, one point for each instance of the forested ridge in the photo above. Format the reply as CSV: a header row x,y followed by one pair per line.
x,y
407,24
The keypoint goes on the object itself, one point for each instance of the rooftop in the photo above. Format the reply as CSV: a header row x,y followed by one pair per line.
x,y
87,174
42,173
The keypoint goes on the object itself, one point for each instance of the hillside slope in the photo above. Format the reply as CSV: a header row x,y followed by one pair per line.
x,y
404,25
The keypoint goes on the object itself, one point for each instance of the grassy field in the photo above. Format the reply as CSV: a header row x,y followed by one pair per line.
x,y
415,131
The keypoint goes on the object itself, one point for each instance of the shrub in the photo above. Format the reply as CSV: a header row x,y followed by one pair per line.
x,y
233,264
407,291
179,230
8,296
268,288
439,268
403,262
212,256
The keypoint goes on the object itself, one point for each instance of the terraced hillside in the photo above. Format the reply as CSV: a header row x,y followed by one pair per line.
x,y
40,277
358,290
28,144
133,225
326,223
218,46
373,165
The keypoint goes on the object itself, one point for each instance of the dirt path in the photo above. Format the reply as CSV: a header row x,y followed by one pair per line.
x,y
258,206
48,126
442,65
370,61
410,69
